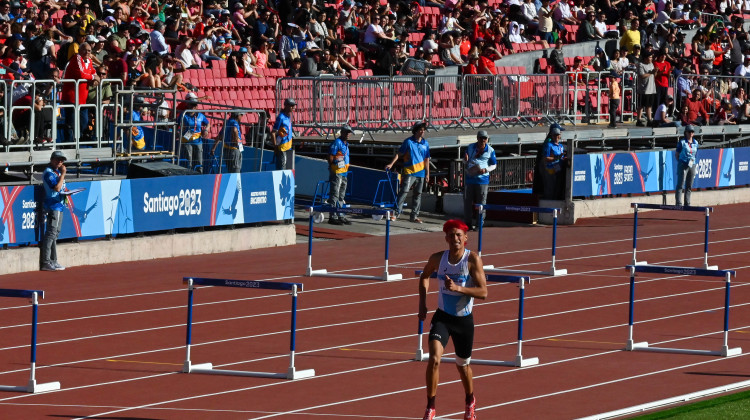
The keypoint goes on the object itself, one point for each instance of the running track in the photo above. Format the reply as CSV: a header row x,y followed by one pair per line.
x,y
114,335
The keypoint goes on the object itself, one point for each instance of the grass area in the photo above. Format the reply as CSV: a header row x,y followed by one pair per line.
x,y
735,406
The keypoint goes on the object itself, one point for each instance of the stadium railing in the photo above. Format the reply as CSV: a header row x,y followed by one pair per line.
x,y
384,103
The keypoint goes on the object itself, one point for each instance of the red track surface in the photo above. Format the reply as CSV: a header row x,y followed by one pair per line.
x,y
114,335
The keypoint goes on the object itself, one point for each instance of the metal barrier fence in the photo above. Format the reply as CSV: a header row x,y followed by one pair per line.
x,y
216,154
588,96
445,101
512,172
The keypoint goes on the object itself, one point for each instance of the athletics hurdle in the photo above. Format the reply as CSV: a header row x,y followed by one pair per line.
x,y
386,276
32,386
706,210
643,346
291,373
523,209
519,361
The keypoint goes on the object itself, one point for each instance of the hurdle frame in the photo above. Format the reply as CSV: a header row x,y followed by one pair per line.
x,y
386,276
519,360
553,271
207,368
631,345
706,210
32,386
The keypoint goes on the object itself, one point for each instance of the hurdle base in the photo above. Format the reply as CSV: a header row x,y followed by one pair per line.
x,y
292,373
631,346
556,272
724,352
32,387
421,356
519,361
207,368
634,262
324,273
710,267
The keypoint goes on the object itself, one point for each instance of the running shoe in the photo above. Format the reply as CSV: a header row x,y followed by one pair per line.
x,y
469,414
429,414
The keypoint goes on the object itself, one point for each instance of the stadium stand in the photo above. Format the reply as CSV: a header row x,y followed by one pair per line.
x,y
250,55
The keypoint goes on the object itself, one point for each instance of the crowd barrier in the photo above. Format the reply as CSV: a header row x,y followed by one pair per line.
x,y
32,386
519,360
207,368
706,210
631,345
442,101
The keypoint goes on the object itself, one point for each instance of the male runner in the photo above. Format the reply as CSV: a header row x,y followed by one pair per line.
x,y
461,279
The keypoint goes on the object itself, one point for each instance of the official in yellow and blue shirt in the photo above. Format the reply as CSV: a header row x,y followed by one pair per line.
x,y
283,132
195,128
415,155
479,161
338,167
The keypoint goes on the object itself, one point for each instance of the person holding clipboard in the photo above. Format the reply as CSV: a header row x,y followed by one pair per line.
x,y
54,199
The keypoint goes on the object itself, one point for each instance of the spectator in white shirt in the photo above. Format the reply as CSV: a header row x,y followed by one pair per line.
x,y
374,31
563,14
601,25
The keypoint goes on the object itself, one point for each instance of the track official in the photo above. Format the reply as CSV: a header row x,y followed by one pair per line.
x,y
479,160
415,154
283,132
686,150
54,184
338,166
461,278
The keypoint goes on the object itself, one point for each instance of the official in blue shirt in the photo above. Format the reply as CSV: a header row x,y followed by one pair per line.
x,y
195,129
283,132
231,138
415,154
479,161
53,180
686,150
551,165
338,167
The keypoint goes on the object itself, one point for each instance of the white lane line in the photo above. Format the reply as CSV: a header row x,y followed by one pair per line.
x,y
418,264
245,317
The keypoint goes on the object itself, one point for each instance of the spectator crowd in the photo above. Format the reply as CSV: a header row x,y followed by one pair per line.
x,y
150,44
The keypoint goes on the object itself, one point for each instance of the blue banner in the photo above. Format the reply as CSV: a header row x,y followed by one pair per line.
x,y
634,173
18,215
741,167
115,207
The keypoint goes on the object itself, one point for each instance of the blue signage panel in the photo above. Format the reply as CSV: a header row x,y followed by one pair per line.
x,y
741,166
18,216
115,207
625,173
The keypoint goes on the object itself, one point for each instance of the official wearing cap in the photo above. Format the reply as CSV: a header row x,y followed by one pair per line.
x,y
283,132
479,161
338,167
195,128
53,180
687,148
415,155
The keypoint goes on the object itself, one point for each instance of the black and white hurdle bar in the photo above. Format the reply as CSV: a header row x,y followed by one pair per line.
x,y
706,210
553,271
725,351
519,361
386,276
291,373
32,386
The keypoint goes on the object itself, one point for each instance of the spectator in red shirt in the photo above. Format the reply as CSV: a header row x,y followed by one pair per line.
x,y
663,71
696,112
80,67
